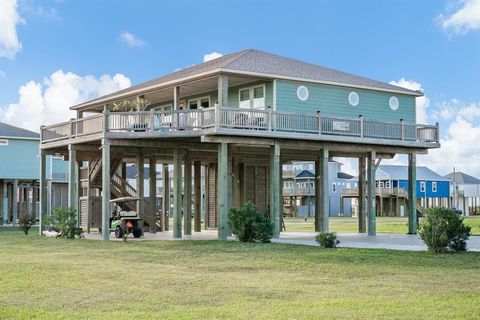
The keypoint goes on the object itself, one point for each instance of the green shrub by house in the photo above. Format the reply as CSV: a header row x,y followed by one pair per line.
x,y
26,221
443,230
249,225
327,239
64,220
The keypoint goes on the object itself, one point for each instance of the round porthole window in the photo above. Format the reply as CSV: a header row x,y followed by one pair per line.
x,y
302,93
353,99
393,103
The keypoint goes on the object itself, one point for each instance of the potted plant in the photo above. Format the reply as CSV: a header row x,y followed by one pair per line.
x,y
139,104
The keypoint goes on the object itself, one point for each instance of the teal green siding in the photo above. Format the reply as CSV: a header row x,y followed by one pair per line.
x,y
19,160
233,100
333,101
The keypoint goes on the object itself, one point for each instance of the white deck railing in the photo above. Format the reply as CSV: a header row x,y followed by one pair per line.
x,y
239,119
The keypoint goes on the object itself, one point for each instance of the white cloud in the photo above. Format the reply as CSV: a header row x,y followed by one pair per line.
x,y
422,102
9,19
48,102
211,56
459,149
449,109
464,18
131,40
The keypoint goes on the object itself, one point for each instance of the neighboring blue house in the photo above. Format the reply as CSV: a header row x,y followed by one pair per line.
x,y
20,173
299,189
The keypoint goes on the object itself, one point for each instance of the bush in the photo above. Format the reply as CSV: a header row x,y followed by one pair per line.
x,y
249,225
64,220
443,230
327,239
26,221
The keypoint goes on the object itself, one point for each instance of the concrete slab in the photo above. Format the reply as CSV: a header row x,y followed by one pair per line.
x,y
347,240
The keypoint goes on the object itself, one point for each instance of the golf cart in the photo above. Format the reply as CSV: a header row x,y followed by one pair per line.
x,y
124,221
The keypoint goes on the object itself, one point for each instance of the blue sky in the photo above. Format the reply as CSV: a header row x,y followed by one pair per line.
x,y
431,43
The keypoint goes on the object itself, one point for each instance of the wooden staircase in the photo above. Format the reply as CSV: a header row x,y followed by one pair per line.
x,y
119,188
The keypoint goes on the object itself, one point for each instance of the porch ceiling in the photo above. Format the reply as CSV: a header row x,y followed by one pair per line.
x,y
186,90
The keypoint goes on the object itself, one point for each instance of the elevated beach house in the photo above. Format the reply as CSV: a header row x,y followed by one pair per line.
x,y
241,117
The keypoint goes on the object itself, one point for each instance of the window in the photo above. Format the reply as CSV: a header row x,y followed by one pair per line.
x,y
252,98
393,103
353,99
3,142
302,93
387,184
382,185
434,186
199,103
334,187
422,186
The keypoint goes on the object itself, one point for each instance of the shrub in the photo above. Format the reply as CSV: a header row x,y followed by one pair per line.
x,y
249,225
443,230
26,221
64,220
327,239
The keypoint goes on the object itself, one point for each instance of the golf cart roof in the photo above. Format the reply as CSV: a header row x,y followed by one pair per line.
x,y
125,199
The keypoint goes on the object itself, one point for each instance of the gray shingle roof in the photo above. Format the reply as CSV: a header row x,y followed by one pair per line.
x,y
393,172
7,130
268,64
462,178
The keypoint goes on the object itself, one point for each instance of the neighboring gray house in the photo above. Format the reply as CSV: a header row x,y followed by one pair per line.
x,y
465,192
299,189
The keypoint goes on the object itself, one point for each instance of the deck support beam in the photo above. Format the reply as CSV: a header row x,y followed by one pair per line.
x,y
73,182
106,189
412,193
14,202
274,189
153,190
187,196
197,190
43,191
371,196
177,193
222,203
362,226
141,184
165,217
322,207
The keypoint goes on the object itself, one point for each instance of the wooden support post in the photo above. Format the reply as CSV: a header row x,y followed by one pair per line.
x,y
34,200
187,196
165,199
362,226
371,194
412,193
106,189
14,202
318,195
177,193
73,180
43,191
322,207
274,189
222,203
2,200
153,190
141,184
197,190
223,90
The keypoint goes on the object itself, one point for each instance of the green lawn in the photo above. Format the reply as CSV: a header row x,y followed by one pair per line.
x,y
54,278
384,224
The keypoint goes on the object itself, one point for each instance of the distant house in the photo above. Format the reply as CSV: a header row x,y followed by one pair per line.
x,y
392,185
299,189
20,173
465,192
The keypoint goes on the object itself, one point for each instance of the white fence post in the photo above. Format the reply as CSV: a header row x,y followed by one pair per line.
x,y
402,130
319,120
361,126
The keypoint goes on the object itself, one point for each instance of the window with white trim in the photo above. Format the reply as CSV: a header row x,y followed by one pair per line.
x,y
3,143
334,187
199,103
252,98
422,186
434,186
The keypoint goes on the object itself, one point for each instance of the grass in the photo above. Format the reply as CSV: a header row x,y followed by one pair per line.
x,y
384,224
46,278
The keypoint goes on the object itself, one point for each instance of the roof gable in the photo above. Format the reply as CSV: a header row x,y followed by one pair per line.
x,y
394,172
462,178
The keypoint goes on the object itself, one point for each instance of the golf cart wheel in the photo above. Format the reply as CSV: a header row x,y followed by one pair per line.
x,y
118,232
137,233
